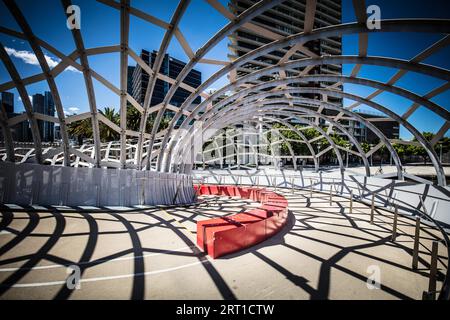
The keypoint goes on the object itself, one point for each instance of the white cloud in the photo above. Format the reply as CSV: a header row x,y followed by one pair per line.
x,y
30,97
30,58
71,111
210,90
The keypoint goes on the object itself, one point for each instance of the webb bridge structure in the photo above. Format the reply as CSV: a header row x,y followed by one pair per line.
x,y
159,166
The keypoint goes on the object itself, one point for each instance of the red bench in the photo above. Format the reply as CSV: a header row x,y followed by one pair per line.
x,y
224,235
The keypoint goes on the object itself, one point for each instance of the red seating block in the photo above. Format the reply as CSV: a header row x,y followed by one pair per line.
x,y
260,212
224,235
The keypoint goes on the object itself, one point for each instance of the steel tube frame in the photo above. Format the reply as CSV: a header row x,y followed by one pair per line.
x,y
412,25
21,21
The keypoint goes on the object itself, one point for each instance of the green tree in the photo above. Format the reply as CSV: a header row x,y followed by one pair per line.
x,y
83,129
402,150
365,146
419,150
133,118
80,129
107,133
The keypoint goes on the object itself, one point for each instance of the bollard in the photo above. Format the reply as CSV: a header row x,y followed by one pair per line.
x,y
62,194
275,182
97,192
415,259
394,225
310,188
372,208
143,191
433,270
351,201
331,194
427,295
292,185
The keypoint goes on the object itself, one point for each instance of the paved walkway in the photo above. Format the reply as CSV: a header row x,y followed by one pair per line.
x,y
324,252
414,170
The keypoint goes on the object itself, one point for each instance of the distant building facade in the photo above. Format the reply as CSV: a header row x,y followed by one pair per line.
x,y
7,99
130,73
171,67
389,127
286,19
19,132
43,103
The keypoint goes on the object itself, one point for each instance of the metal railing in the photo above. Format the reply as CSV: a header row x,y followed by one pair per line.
x,y
344,187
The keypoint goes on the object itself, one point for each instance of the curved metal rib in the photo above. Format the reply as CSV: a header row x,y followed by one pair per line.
x,y
25,100
20,19
89,86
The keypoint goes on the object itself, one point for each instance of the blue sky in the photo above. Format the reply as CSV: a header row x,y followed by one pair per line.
x,y
100,27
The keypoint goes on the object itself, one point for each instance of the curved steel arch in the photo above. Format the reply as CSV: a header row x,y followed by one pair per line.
x,y
411,25
377,61
304,140
342,129
338,94
161,152
21,21
291,150
250,113
240,115
78,39
246,16
302,137
251,108
260,95
407,94
234,146
270,144
179,11
229,138
25,100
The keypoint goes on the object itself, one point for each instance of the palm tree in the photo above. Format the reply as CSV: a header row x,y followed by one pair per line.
x,y
107,133
133,118
80,129
83,129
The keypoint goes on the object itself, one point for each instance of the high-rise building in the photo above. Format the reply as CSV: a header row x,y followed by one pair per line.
x,y
20,131
389,127
286,19
130,79
58,132
43,103
170,67
7,101
289,18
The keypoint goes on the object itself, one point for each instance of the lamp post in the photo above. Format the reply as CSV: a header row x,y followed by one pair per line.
x,y
371,156
346,158
318,152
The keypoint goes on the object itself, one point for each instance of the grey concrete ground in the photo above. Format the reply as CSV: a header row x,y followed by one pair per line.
x,y
324,252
